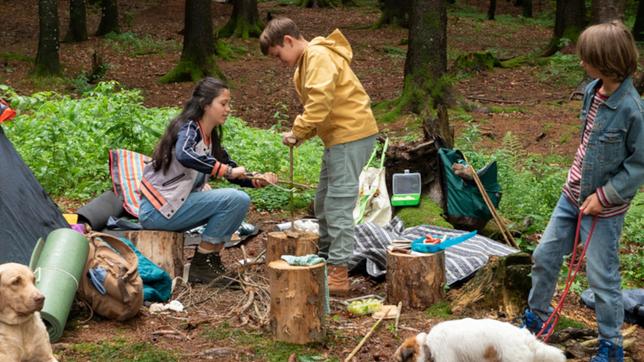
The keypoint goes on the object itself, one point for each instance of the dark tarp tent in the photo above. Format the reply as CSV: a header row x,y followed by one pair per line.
x,y
26,211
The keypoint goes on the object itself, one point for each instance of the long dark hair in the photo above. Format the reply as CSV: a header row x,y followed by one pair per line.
x,y
206,90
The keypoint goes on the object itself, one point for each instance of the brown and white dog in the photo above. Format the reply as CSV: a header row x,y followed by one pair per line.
x,y
476,340
23,336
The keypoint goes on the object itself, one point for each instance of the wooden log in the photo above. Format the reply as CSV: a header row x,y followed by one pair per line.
x,y
290,243
502,285
416,280
297,302
164,248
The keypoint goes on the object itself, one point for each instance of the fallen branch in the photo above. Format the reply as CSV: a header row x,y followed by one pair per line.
x,y
398,316
364,339
482,99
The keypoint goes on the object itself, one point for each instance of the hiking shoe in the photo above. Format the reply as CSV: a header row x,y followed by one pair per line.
x,y
338,280
206,268
533,323
608,352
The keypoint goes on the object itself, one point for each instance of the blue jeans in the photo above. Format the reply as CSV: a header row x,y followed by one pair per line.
x,y
222,210
602,265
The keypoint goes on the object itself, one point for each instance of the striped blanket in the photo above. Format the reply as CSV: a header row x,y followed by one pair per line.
x,y
126,168
460,260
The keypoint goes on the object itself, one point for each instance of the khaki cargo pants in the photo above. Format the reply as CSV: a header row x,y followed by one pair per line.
x,y
336,197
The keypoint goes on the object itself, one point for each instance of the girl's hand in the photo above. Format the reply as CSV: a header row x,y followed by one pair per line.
x,y
265,179
237,172
591,205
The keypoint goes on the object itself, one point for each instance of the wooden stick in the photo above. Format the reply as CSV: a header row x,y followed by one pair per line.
x,y
398,316
364,339
486,198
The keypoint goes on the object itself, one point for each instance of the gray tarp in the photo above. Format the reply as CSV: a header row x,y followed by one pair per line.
x,y
26,211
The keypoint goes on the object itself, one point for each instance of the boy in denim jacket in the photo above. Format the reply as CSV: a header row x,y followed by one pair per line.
x,y
605,176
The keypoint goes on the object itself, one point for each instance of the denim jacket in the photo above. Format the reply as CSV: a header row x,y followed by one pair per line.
x,y
614,157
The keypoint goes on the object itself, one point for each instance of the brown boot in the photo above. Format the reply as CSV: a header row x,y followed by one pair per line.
x,y
338,280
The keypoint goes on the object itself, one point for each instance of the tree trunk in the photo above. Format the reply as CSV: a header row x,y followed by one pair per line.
x,y
244,21
395,12
47,58
77,22
109,18
638,27
491,10
502,284
527,8
603,11
570,20
197,56
318,3
425,86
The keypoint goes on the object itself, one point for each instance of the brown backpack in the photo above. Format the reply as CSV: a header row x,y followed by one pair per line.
x,y
123,287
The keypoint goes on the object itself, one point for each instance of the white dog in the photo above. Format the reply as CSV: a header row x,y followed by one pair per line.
x,y
23,336
476,340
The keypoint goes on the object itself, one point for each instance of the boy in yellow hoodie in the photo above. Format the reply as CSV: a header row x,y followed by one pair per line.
x,y
338,110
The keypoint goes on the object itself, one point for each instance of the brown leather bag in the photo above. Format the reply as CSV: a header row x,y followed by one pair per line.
x,y
122,296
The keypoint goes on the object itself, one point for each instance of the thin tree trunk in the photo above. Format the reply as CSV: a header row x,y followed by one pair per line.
x,y
47,58
244,21
77,21
197,56
318,3
109,18
394,12
638,27
570,20
527,8
602,11
491,10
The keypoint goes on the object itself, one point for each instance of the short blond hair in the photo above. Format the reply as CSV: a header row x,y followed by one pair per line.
x,y
610,48
275,31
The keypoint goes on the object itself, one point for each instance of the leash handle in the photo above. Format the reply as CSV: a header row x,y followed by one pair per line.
x,y
573,268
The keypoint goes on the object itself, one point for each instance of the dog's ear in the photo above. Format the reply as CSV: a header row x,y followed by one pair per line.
x,y
407,350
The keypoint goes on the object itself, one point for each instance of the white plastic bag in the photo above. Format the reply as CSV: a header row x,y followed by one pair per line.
x,y
373,203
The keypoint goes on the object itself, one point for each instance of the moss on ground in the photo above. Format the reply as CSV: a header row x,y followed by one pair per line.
x,y
427,213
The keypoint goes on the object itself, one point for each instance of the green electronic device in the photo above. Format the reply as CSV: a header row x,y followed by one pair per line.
x,y
406,189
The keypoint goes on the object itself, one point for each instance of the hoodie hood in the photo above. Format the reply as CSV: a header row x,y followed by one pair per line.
x,y
335,42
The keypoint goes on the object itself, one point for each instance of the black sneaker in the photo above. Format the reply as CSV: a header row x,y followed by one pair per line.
x,y
208,268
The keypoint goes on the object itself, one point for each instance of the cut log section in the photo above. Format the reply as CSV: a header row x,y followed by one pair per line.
x,y
416,280
502,284
290,243
297,302
164,248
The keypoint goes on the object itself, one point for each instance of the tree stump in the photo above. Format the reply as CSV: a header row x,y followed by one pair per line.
x,y
502,284
416,280
164,248
297,302
290,243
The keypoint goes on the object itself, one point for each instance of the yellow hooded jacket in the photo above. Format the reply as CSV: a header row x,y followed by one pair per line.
x,y
336,106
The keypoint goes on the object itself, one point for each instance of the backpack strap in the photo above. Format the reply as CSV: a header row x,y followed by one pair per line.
x,y
122,248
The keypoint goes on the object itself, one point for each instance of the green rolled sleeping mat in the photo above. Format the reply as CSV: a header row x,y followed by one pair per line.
x,y
58,265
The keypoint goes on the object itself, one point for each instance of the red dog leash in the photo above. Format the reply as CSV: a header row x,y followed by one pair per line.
x,y
573,268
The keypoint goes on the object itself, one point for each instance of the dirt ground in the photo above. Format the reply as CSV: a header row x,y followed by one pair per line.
x,y
537,112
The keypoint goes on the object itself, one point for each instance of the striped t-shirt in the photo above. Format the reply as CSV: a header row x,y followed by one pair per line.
x,y
572,188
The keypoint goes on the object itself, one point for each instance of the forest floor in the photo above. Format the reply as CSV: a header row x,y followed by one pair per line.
x,y
531,104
